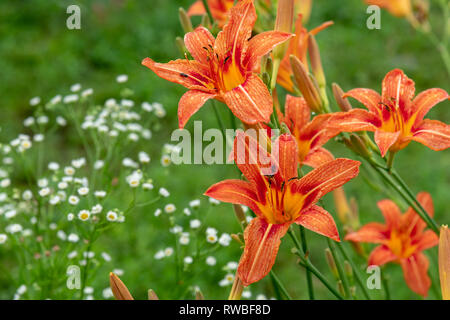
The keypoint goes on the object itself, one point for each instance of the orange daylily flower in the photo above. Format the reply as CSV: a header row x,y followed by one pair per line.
x,y
219,9
298,46
402,239
278,198
223,68
398,8
444,262
310,135
396,116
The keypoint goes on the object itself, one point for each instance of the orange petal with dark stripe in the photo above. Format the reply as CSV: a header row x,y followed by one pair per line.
x,y
397,89
354,120
433,134
381,255
251,101
320,221
391,212
190,103
200,43
285,151
427,100
262,241
373,232
385,140
368,97
318,157
415,270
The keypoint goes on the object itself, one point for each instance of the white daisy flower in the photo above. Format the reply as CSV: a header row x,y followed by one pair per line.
x,y
211,261
73,200
84,215
188,260
121,78
83,191
195,223
35,101
164,192
111,216
73,237
169,208
225,239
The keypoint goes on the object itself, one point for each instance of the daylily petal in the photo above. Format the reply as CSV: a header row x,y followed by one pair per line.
x,y
196,9
427,100
381,255
191,74
373,232
427,240
318,131
200,43
253,161
415,270
368,97
391,212
262,241
285,150
318,157
385,140
434,134
261,45
355,120
235,191
328,176
398,89
232,39
444,262
320,221
251,102
189,104
413,221
297,112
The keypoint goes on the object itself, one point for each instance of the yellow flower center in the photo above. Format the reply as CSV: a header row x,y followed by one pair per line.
x,y
400,244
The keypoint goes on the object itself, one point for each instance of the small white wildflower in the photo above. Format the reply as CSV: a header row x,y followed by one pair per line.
x,y
166,160
73,200
53,166
211,261
73,237
75,87
38,137
100,194
3,238
78,163
133,137
214,201
89,254
176,229
164,192
160,112
70,216
211,238
157,212
186,211
147,107
146,134
42,120
99,164
159,255
10,214
184,239
97,208
61,121
111,216
188,260
261,297
62,185
86,93
44,192
210,230
107,293
69,171
70,98
72,254
147,186
195,223
83,191
61,235
247,294
35,101
110,103
28,122
22,289
225,239
14,228
54,200
194,203
127,103
25,145
106,256
134,179
56,99
144,157
121,78
42,183
232,265
169,208
130,163
27,195
168,251
84,215
5,183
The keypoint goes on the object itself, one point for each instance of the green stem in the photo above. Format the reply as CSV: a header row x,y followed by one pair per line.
x,y
385,282
208,11
340,269
308,273
306,263
355,270
279,285
390,161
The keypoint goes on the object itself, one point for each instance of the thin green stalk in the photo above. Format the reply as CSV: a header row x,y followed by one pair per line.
x,y
340,269
208,11
385,282
279,285
355,270
308,273
306,263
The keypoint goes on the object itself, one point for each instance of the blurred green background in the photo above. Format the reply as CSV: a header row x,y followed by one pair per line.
x,y
39,56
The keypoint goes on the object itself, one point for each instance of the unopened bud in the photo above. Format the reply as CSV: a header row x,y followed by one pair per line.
x,y
341,288
185,21
316,62
240,215
343,103
152,295
120,291
180,45
283,23
199,295
303,7
348,270
306,85
341,205
331,263
238,238
206,22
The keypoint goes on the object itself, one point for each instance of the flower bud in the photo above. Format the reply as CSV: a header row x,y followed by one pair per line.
x,y
152,295
283,22
185,21
118,288
331,263
444,262
240,215
306,85
303,7
199,295
343,103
